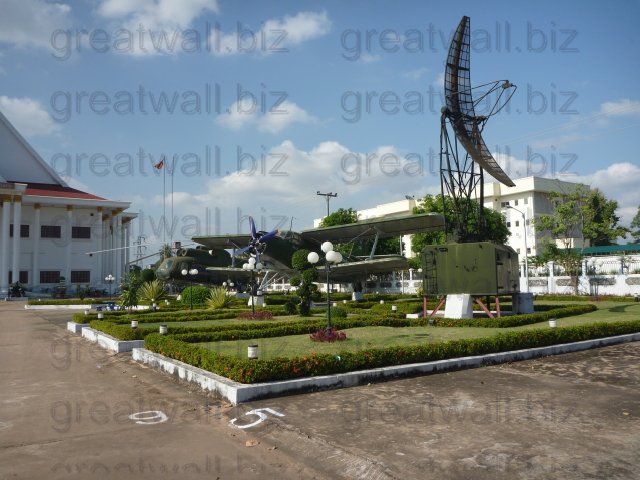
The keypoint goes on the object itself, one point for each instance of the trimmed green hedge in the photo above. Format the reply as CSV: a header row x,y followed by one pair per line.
x,y
252,371
70,301
585,298
120,328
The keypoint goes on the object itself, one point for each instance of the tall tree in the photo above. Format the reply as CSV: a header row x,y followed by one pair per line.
x,y
585,214
345,216
601,222
496,227
342,216
635,227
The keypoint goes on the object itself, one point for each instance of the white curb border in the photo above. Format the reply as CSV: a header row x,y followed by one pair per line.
x,y
76,327
237,393
109,342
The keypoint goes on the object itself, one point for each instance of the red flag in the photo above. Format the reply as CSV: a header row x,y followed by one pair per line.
x,y
160,164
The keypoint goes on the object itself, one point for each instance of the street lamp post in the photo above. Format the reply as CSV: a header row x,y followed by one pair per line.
x,y
192,273
253,266
526,249
331,257
109,279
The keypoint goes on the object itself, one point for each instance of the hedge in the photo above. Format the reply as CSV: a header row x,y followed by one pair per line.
x,y
252,371
172,315
585,298
120,328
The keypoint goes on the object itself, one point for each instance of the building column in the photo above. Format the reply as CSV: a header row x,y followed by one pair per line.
x,y
99,256
118,246
35,268
4,245
127,243
110,246
17,220
67,268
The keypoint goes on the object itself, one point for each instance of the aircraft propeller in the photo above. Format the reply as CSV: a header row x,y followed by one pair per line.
x,y
258,241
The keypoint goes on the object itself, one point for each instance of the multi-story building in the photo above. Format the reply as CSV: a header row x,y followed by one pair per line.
x,y
49,230
526,201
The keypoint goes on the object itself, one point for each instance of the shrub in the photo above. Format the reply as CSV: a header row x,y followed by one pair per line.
x,y
332,335
218,298
197,292
263,315
338,312
291,307
152,292
251,371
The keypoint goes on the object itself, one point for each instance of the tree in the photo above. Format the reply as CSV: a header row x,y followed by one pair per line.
x,y
304,281
496,227
635,227
600,220
341,216
130,287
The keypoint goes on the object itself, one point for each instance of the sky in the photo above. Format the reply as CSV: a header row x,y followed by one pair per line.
x,y
256,106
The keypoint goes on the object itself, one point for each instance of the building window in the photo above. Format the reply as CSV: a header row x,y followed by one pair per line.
x,y
508,224
23,277
80,232
24,231
49,276
504,204
528,251
80,276
516,203
526,201
50,231
518,251
517,223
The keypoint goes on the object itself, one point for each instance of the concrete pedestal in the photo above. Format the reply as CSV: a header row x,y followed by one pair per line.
x,y
258,301
522,303
459,305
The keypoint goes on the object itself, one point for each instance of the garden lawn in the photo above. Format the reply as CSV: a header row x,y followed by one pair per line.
x,y
231,321
379,337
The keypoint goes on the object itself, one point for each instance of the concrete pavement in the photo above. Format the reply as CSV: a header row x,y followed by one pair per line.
x,y
71,410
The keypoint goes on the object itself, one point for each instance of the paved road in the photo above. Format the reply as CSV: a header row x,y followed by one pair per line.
x,y
66,406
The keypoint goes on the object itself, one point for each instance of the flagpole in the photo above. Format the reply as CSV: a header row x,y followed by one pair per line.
x,y
164,202
173,172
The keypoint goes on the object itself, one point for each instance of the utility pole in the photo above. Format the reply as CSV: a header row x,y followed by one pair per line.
x,y
327,196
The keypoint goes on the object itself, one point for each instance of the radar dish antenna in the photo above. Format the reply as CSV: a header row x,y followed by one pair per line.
x,y
462,172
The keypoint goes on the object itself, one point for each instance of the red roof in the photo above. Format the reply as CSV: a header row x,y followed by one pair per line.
x,y
48,190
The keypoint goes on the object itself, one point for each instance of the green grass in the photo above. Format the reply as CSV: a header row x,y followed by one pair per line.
x,y
367,337
232,321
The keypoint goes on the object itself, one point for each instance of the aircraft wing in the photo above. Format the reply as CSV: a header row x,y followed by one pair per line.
x,y
390,226
223,241
349,271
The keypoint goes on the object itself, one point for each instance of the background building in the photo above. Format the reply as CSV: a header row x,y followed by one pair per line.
x,y
48,229
530,197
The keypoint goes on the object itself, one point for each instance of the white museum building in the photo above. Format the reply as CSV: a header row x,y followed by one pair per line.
x,y
48,229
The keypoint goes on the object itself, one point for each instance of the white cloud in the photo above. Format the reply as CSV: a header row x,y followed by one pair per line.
x,y
28,116
274,36
244,113
619,181
624,107
157,14
31,22
156,24
370,58
439,81
416,74
282,183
